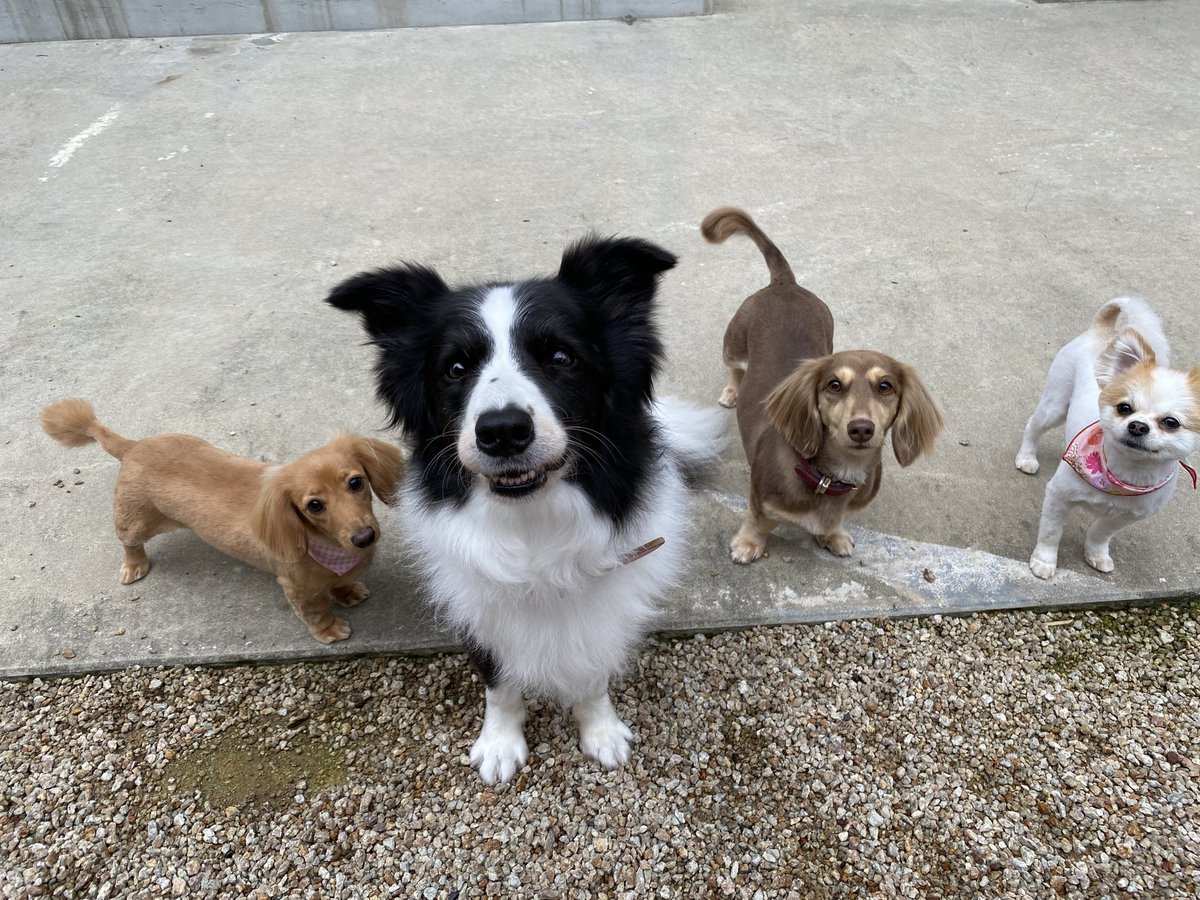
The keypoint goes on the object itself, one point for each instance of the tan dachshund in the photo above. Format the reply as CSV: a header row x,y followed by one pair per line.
x,y
307,522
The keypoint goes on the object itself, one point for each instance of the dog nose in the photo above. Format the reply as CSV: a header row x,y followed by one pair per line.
x,y
861,430
504,432
363,538
1138,429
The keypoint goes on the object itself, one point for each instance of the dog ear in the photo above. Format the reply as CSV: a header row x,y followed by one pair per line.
x,y
618,274
275,521
383,464
792,408
386,296
1124,352
918,420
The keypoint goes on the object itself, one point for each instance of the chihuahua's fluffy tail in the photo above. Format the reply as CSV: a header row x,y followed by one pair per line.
x,y
721,224
1140,317
73,422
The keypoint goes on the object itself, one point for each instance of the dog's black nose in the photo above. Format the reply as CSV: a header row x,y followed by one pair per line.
x,y
504,432
861,430
1138,429
363,538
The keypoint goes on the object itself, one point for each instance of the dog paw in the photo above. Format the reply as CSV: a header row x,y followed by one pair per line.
x,y
1028,463
1042,568
728,398
607,742
131,573
1101,563
337,630
839,543
744,552
352,595
498,756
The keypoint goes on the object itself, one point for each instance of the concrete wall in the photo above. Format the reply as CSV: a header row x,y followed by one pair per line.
x,y
58,20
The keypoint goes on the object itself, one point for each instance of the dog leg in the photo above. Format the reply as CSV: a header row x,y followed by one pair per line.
x,y
838,542
1095,541
500,750
728,398
135,565
1050,412
315,611
751,540
602,735
350,594
1044,559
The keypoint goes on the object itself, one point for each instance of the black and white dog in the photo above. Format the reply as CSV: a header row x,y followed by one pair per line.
x,y
540,464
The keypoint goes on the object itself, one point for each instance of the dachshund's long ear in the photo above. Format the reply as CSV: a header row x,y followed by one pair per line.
x,y
383,464
792,407
918,421
275,520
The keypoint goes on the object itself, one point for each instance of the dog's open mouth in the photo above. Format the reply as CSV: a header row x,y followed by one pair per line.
x,y
520,484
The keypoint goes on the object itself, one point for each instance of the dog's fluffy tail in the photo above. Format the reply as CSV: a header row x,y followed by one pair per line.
x,y
721,224
1140,317
73,422
695,435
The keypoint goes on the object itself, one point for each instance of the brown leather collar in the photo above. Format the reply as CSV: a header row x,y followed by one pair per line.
x,y
819,481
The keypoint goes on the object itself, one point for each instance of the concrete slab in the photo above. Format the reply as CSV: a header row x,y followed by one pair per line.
x,y
963,182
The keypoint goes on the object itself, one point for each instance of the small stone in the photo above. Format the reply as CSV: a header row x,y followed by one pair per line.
x,y
1173,757
68,654
32,504
928,575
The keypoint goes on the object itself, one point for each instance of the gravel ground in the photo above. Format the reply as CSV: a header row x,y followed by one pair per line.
x,y
1016,755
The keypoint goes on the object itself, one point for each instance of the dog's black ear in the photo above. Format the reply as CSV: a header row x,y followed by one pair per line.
x,y
618,274
386,297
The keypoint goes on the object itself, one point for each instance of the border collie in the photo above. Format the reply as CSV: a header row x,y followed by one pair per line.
x,y
542,472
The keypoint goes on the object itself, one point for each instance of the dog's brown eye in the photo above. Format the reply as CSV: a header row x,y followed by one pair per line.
x,y
1124,409
885,387
562,359
1170,423
456,371
314,505
355,484
835,386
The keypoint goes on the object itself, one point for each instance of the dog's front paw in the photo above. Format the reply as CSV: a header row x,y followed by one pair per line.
x,y
607,742
133,572
839,542
728,398
337,630
1042,568
498,754
1101,562
351,595
744,551
1028,463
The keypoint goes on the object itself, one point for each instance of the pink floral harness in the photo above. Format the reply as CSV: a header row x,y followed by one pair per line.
x,y
1085,454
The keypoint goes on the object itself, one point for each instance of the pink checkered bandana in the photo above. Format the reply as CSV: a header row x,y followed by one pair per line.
x,y
332,557
1085,454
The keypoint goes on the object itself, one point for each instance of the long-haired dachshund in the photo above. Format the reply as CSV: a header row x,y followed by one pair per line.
x,y
813,422
307,522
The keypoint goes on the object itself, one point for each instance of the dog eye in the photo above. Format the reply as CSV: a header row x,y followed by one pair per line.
x,y
314,505
562,359
456,371
1170,423
1124,409
885,387
355,484
835,386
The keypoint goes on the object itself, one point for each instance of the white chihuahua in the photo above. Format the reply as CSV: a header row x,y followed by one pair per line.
x,y
1135,422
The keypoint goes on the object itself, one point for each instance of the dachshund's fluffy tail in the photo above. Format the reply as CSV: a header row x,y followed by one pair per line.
x,y
721,224
73,422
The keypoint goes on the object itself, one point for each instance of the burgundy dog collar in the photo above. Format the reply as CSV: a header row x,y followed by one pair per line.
x,y
819,481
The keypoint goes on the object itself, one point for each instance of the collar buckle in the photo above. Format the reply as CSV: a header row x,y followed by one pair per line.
x,y
823,484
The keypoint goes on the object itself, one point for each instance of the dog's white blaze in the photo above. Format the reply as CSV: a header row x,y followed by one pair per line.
x,y
502,383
